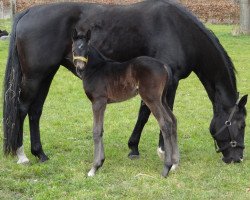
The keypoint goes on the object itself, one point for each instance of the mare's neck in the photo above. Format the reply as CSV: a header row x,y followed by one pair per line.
x,y
221,86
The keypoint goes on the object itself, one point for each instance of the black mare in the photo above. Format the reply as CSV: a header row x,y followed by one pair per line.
x,y
106,81
41,42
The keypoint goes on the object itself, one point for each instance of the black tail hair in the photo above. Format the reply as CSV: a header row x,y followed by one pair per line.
x,y
12,85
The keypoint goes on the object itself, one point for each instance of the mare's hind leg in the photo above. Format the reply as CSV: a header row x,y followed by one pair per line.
x,y
28,89
34,113
31,93
22,158
136,134
98,107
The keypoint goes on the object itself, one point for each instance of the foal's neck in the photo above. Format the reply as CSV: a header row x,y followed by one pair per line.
x,y
96,58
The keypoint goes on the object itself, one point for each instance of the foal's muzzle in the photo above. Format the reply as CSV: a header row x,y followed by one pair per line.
x,y
80,63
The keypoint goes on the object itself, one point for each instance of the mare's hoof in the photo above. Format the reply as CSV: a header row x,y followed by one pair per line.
x,y
134,155
166,170
23,161
43,158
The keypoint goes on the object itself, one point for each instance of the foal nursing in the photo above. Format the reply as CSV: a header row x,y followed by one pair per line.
x,y
107,81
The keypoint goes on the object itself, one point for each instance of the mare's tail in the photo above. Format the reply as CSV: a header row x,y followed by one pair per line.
x,y
11,93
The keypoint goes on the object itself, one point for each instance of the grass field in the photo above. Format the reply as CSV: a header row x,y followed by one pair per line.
x,y
66,127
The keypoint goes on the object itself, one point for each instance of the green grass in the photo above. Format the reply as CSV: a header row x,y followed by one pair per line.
x,y
66,135
5,24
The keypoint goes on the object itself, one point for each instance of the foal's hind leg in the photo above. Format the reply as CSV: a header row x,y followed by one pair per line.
x,y
165,124
176,154
169,101
34,113
98,107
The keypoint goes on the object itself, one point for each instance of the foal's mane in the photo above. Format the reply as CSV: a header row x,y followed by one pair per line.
x,y
213,39
100,54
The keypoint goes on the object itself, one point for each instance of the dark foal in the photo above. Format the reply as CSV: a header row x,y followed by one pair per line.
x,y
106,81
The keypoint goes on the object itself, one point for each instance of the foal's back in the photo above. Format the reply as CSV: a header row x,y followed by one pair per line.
x,y
144,75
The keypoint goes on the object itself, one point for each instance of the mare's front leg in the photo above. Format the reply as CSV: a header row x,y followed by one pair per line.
x,y
98,107
136,134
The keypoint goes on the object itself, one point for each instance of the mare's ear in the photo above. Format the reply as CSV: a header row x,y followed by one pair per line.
x,y
74,34
243,101
88,35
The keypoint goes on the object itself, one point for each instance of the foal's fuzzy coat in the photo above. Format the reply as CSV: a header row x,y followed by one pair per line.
x,y
106,81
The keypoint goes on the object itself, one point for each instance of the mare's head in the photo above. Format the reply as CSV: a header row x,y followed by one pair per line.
x,y
228,128
80,49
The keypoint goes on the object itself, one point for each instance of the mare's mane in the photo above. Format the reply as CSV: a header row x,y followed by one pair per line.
x,y
213,39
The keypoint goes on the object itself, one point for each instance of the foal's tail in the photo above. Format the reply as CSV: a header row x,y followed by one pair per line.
x,y
167,84
12,83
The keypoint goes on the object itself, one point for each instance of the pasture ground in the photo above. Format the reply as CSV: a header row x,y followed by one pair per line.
x,y
66,127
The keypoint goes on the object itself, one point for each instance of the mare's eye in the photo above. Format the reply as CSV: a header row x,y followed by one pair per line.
x,y
242,125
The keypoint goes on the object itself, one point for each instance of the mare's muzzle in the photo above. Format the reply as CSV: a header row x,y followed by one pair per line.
x,y
233,148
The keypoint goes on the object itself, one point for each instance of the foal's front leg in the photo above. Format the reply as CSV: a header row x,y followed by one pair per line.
x,y
98,112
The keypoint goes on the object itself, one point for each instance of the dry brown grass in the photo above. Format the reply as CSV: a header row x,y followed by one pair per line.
x,y
214,11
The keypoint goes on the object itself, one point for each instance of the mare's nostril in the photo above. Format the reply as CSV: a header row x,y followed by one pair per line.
x,y
227,160
237,161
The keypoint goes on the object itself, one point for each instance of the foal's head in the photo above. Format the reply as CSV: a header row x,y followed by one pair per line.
x,y
80,49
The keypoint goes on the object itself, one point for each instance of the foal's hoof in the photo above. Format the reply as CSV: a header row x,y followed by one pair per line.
x,y
166,170
91,173
174,167
134,155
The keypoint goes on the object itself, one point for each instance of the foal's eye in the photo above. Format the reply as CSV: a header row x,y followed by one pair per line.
x,y
80,46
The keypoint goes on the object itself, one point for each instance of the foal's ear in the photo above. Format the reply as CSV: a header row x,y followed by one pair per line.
x,y
88,35
74,34
243,101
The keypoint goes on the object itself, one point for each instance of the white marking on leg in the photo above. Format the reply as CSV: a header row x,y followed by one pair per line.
x,y
174,167
22,158
161,153
91,172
